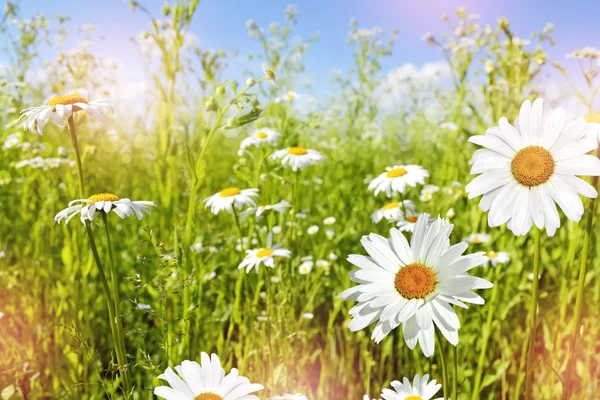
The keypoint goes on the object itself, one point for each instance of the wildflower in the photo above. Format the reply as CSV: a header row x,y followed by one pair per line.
x,y
297,157
276,229
593,126
205,382
103,202
291,96
426,195
477,238
495,257
420,389
60,108
489,67
413,284
322,264
265,255
306,267
231,197
261,136
525,170
209,276
269,74
329,221
250,82
312,230
332,256
197,247
45,163
329,233
308,315
396,178
261,211
392,211
447,191
408,224
450,213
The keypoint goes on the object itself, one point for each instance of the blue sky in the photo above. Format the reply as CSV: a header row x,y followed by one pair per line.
x,y
221,24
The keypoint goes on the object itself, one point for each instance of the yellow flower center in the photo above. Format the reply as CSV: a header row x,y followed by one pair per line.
x,y
532,166
476,239
593,118
415,281
270,74
103,197
264,252
391,206
66,100
208,396
492,254
396,173
230,192
412,218
262,135
291,96
412,397
297,151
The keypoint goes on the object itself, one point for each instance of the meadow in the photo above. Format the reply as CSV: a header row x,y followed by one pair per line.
x,y
97,307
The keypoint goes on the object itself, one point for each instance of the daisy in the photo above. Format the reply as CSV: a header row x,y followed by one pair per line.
x,y
103,202
265,255
261,136
231,197
297,157
528,167
60,108
477,238
408,224
413,284
205,382
419,390
261,211
496,257
392,211
396,178
269,74
296,396
329,221
593,126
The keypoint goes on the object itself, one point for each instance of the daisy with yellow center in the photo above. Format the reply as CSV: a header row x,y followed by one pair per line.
x,y
408,223
393,211
227,199
413,285
269,74
477,238
396,179
265,256
192,381
528,168
103,202
497,257
420,389
260,137
60,108
297,157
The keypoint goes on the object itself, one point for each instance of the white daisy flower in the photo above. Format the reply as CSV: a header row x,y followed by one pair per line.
x,y
60,108
526,169
392,211
329,221
477,238
205,382
408,224
419,390
329,233
497,257
231,197
593,126
261,136
265,255
308,315
103,202
291,96
261,211
413,284
288,396
269,74
297,157
312,230
306,267
396,178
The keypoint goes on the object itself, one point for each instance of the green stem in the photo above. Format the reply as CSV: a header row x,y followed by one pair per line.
x,y
533,316
71,125
455,373
443,362
580,288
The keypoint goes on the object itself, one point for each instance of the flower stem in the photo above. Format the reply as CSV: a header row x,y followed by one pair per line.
x,y
455,372
71,125
444,365
533,316
580,287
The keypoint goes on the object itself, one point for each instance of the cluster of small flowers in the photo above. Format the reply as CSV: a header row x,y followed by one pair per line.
x,y
45,163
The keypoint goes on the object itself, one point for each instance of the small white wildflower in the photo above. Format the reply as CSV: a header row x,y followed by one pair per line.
x,y
312,230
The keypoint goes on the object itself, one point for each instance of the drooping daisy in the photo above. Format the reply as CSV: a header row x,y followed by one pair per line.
x,y
269,74
261,211
205,382
231,197
477,238
288,396
419,390
396,178
103,202
265,255
392,211
261,136
497,257
60,108
297,157
526,169
413,284
408,223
